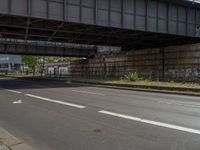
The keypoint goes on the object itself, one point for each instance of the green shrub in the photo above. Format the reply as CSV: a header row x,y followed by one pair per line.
x,y
132,76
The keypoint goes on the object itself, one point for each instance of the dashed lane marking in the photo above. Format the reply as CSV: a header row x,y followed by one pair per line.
x,y
161,124
88,92
56,101
13,91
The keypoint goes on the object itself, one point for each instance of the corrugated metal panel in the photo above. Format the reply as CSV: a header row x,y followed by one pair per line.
x,y
38,8
4,6
55,10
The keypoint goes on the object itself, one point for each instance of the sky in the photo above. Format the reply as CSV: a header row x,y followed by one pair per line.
x,y
196,1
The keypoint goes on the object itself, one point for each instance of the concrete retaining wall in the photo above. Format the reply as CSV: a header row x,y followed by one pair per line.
x,y
178,63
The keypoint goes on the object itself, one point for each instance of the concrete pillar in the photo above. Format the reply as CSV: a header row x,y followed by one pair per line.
x,y
9,67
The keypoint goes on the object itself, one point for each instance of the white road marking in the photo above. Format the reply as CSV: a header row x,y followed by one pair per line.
x,y
13,91
161,124
180,104
56,101
17,102
40,86
88,92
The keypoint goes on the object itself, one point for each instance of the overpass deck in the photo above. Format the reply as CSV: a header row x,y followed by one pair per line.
x,y
131,24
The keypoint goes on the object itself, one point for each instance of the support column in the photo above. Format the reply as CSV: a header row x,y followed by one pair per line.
x,y
9,67
162,50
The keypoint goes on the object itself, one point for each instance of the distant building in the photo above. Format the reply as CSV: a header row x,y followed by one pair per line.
x,y
11,63
58,69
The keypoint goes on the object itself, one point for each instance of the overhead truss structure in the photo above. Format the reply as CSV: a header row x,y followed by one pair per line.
x,y
131,24
22,47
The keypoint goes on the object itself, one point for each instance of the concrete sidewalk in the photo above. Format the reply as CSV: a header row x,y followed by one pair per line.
x,y
9,142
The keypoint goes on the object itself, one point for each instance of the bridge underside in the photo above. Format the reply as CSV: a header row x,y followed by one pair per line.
x,y
32,48
58,31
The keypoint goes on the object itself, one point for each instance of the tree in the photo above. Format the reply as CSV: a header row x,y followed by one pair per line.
x,y
52,59
38,62
31,62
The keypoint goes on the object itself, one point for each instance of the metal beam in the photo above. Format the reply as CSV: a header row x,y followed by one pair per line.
x,y
107,22
56,31
28,49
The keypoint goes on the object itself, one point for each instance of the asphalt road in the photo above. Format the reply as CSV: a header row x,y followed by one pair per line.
x,y
58,116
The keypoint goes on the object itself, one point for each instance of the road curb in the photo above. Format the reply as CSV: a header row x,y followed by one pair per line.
x,y
139,88
10,142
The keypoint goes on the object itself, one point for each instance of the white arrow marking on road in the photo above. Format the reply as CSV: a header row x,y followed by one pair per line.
x,y
17,102
161,124
56,101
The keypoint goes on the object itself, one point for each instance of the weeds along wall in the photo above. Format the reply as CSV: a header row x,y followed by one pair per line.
x,y
178,63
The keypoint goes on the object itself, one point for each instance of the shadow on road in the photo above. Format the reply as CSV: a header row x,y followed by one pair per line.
x,y
11,83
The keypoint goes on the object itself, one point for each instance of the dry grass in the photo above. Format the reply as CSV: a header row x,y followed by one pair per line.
x,y
144,82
